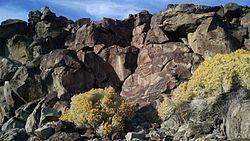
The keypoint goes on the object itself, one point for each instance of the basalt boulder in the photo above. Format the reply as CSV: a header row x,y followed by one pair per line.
x,y
232,11
141,26
123,60
212,37
7,69
66,74
23,88
107,32
198,119
177,23
12,27
161,67
49,26
17,49
145,58
103,72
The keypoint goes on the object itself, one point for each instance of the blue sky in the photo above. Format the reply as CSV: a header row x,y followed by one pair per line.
x,y
94,9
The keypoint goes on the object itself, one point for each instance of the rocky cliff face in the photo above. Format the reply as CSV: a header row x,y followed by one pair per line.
x,y
47,60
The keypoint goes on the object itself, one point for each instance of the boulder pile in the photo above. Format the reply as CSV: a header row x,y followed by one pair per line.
x,y
48,59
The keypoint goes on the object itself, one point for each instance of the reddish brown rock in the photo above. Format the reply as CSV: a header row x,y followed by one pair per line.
x,y
82,38
66,74
142,18
144,57
139,35
80,22
63,136
107,32
104,74
156,36
183,23
212,37
141,26
177,22
123,60
161,67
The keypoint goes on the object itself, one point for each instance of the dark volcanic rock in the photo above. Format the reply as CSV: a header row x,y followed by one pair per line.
x,y
44,132
141,26
66,74
156,36
7,69
45,24
180,23
13,123
14,135
108,32
161,67
245,21
231,11
24,49
12,27
45,29
47,15
123,60
144,57
104,73
63,136
223,118
238,118
211,37
27,88
34,17
17,49
79,23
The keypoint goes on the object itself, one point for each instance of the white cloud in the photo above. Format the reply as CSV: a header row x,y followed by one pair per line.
x,y
12,12
100,8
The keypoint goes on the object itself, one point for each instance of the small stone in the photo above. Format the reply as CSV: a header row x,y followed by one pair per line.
x,y
133,136
34,138
15,134
61,106
7,69
118,136
13,123
63,136
48,114
44,132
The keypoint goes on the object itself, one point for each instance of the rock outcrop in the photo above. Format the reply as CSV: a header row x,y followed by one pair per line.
x,y
145,58
161,67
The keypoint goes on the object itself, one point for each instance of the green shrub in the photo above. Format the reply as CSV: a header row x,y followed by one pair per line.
x,y
99,107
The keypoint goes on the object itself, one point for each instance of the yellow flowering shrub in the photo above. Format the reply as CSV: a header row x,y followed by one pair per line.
x,y
216,75
165,109
99,107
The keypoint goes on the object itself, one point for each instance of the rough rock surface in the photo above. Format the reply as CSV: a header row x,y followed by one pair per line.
x,y
220,120
48,59
11,27
161,67
7,69
123,60
211,37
